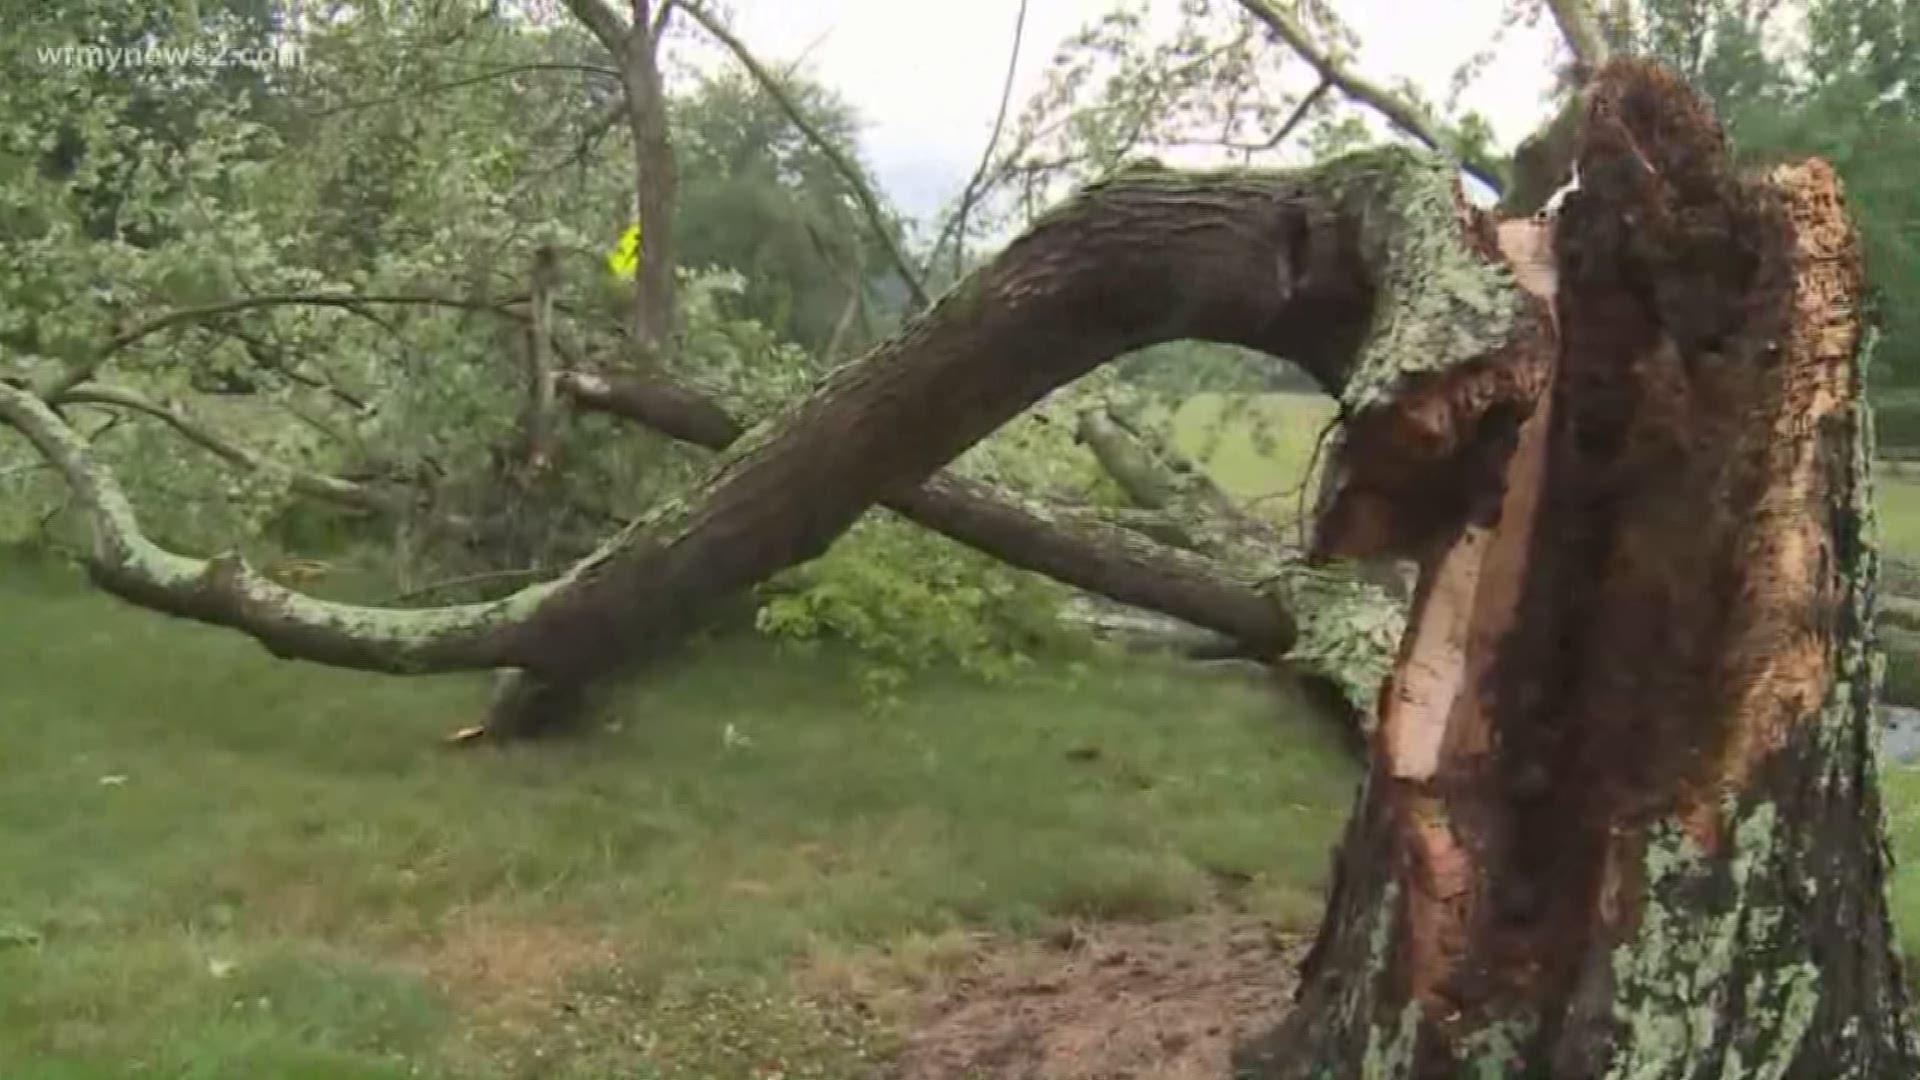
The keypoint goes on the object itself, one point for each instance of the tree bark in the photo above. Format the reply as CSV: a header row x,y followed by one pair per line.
x,y
1624,815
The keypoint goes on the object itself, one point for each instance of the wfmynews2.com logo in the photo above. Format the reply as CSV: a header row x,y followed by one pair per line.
x,y
200,55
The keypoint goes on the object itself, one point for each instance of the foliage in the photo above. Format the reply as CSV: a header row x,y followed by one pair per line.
x,y
912,599
1210,89
384,166
759,198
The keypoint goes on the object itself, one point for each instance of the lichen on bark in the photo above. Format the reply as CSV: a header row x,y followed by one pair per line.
x,y
1691,967
1441,302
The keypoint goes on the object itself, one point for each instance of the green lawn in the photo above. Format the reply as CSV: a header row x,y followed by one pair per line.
x,y
222,865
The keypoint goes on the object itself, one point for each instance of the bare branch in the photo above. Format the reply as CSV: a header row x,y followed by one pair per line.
x,y
300,481
186,316
971,190
1401,113
863,194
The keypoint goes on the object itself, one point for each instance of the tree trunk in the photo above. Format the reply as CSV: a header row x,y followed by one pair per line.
x,y
1624,817
1120,562
630,43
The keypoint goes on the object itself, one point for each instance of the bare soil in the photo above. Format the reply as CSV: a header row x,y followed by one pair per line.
x,y
1167,1001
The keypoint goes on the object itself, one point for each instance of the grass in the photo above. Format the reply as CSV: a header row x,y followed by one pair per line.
x,y
219,864
1255,447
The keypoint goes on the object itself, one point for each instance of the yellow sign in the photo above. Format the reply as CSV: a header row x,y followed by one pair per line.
x,y
624,260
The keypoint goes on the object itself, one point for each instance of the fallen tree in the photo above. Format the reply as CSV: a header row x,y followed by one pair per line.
x,y
1270,261
1622,817
1197,560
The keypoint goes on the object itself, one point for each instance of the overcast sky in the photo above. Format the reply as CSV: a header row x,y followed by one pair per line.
x,y
925,75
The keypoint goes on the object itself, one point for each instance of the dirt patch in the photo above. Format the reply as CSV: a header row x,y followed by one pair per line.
x,y
1168,1001
511,973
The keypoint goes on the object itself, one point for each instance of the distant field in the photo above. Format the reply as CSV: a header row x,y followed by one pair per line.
x,y
1234,455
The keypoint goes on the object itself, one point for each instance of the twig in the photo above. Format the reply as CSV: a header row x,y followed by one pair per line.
x,y
348,301
1401,113
969,192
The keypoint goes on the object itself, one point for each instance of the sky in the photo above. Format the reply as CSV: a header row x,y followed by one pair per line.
x,y
925,75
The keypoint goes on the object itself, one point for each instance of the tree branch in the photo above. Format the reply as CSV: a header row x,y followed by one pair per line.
x,y
1151,476
227,592
1401,113
1123,560
603,23
1347,268
539,421
74,376
971,190
862,193
300,481
1581,29
1299,114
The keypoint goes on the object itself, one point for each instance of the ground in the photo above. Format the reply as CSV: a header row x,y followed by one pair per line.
x,y
218,864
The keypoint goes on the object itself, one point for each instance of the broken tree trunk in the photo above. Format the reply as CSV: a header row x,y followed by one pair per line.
x,y
1624,817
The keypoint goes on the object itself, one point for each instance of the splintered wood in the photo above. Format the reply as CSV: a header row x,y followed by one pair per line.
x,y
1472,588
